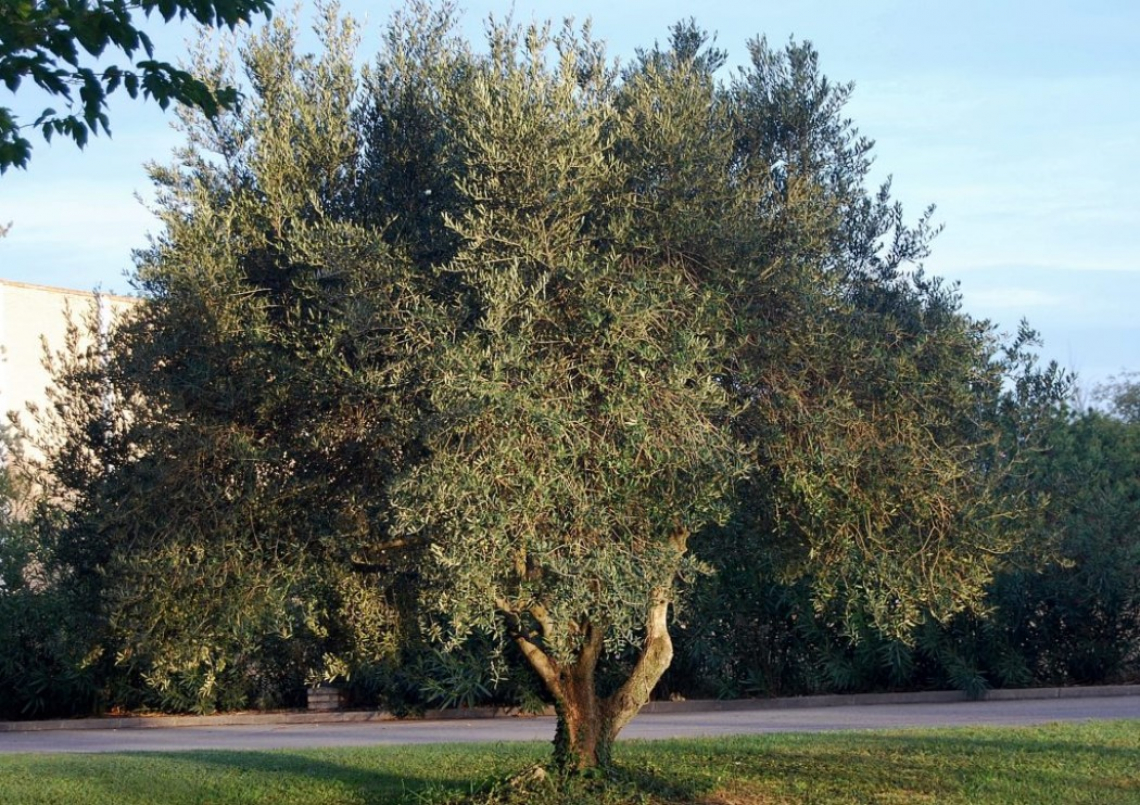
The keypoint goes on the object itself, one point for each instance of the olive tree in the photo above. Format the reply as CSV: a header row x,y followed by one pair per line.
x,y
515,331
577,434
214,512
683,313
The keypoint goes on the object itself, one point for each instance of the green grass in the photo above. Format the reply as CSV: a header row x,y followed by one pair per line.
x,y
1058,763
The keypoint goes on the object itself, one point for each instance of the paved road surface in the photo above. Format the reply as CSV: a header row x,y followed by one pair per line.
x,y
646,726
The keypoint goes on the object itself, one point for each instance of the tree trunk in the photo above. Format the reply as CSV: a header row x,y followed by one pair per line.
x,y
587,724
582,739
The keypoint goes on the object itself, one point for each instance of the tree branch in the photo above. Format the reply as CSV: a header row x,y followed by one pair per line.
x,y
655,657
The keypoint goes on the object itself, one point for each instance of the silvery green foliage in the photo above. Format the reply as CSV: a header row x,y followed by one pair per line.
x,y
577,432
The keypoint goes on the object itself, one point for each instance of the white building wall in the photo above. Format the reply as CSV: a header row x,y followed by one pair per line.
x,y
32,315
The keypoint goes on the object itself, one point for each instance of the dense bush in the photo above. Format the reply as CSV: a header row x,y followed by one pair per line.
x,y
1065,614
44,666
1077,621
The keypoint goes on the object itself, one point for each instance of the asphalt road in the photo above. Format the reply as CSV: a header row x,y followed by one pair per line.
x,y
651,726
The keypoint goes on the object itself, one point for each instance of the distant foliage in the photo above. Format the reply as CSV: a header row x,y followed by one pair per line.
x,y
1121,396
1078,620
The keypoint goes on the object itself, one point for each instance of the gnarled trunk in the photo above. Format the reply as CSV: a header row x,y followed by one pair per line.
x,y
582,739
588,724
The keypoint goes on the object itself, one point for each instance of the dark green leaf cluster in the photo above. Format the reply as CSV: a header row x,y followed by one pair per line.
x,y
43,667
1061,610
1077,620
57,45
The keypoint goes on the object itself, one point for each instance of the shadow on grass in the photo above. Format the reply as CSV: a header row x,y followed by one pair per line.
x,y
622,784
497,775
231,777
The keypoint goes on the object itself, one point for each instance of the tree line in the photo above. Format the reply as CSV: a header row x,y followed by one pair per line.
x,y
522,374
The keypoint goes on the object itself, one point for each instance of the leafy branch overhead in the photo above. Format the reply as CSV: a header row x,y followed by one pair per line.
x,y
58,45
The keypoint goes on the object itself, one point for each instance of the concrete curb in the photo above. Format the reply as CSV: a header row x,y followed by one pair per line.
x,y
871,699
689,706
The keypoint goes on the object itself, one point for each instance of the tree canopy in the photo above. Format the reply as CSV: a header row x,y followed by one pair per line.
x,y
57,45
511,343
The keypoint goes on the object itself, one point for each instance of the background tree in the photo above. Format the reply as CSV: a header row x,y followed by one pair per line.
x,y
1077,619
57,45
1121,395
221,576
45,665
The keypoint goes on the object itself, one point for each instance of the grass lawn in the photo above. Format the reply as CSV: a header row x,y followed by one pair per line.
x,y
1057,763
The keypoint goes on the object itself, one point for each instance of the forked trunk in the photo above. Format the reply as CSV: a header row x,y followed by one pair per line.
x,y
588,725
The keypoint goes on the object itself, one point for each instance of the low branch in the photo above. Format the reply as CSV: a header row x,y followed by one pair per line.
x,y
546,667
591,647
655,657
539,613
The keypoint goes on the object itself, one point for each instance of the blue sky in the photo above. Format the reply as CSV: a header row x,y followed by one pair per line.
x,y
1020,120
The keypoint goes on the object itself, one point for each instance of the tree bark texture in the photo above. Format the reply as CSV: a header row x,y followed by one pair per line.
x,y
588,724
